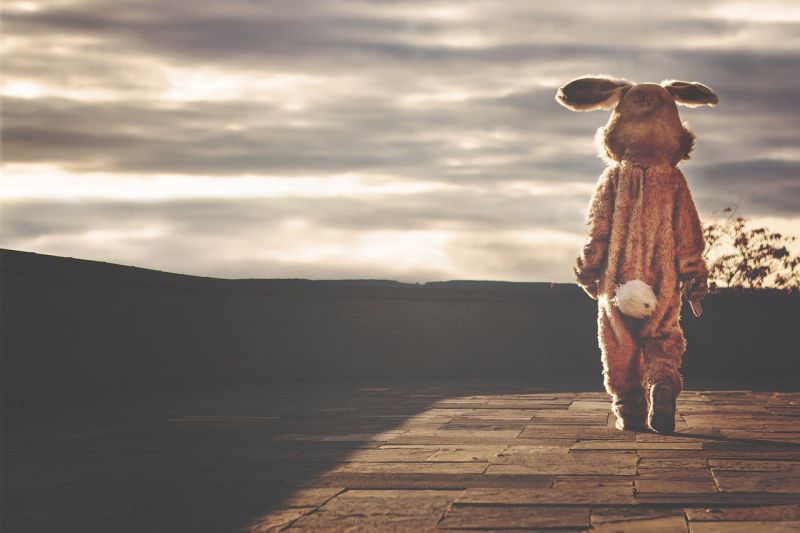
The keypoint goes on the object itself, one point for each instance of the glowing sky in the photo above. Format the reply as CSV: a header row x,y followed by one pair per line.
x,y
415,141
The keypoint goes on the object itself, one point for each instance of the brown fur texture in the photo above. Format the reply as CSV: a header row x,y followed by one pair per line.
x,y
642,224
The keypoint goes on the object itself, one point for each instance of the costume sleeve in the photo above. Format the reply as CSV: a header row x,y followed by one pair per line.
x,y
592,258
689,241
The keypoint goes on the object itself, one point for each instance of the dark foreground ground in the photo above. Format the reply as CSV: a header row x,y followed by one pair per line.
x,y
421,455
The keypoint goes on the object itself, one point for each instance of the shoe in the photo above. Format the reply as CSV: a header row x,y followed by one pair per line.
x,y
661,416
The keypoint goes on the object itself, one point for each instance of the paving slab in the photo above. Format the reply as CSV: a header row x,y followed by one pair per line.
x,y
572,418
514,461
608,444
712,499
428,467
643,524
590,405
427,481
763,454
73,521
467,453
516,517
486,424
736,514
617,515
676,485
754,465
379,455
671,462
576,432
564,492
747,481
525,496
374,510
791,526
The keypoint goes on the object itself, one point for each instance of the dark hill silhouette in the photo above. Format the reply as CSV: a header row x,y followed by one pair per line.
x,y
77,327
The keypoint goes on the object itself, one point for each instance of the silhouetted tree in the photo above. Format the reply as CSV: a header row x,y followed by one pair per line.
x,y
740,257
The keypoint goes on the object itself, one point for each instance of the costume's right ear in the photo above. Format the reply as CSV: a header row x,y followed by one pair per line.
x,y
690,94
592,93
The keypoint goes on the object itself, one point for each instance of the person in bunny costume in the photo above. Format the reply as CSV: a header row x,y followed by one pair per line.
x,y
645,243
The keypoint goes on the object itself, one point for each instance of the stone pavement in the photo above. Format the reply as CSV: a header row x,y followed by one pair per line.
x,y
399,455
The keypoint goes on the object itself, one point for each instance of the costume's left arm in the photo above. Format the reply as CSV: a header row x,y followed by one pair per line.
x,y
592,258
689,244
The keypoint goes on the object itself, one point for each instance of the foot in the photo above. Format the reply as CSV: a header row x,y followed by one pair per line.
x,y
631,413
661,416
627,424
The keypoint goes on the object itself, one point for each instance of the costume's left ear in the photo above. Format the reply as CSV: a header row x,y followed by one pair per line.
x,y
690,94
592,92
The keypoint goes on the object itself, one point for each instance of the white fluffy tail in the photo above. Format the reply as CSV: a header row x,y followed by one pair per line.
x,y
635,299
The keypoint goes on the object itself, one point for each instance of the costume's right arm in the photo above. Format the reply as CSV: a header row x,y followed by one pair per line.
x,y
592,258
690,244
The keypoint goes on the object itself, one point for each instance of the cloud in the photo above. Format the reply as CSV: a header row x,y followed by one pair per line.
x,y
346,100
759,187
302,237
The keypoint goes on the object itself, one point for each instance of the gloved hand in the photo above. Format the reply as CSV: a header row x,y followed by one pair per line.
x,y
695,289
590,288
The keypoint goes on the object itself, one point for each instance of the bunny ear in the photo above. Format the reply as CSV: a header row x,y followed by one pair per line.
x,y
691,94
592,92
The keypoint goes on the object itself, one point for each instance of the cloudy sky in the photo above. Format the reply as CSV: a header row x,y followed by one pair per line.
x,y
415,140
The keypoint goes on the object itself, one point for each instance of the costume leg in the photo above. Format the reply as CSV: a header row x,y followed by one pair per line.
x,y
663,345
662,352
622,366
